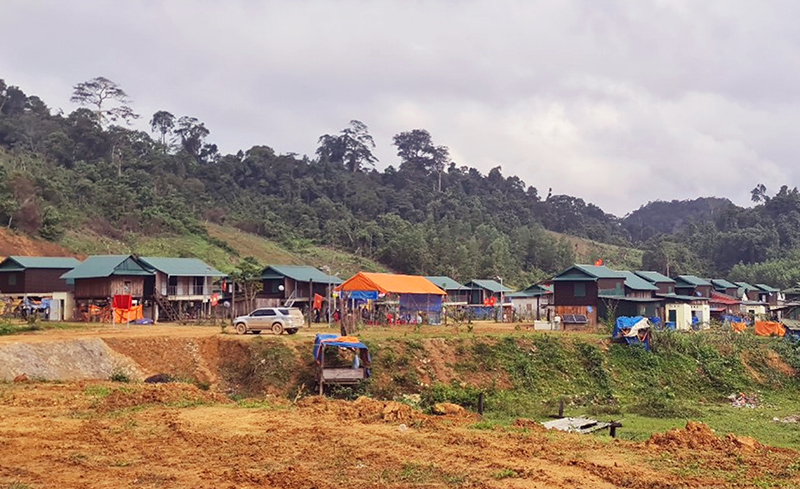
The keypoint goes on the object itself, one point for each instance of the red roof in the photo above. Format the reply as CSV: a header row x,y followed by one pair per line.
x,y
728,300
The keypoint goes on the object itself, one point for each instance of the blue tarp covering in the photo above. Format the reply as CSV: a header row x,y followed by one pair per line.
x,y
363,295
330,340
734,319
430,304
626,329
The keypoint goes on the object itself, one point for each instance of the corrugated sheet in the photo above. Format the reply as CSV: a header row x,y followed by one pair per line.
x,y
654,277
490,285
106,265
691,280
446,283
182,267
26,262
299,273
635,282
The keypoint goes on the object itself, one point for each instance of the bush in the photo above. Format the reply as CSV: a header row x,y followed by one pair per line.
x,y
119,375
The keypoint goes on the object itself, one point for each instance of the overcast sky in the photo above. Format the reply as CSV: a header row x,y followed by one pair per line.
x,y
616,102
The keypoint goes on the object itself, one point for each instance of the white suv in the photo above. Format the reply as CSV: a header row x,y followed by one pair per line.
x,y
275,319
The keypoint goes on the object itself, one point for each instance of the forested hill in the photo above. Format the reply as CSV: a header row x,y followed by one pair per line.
x,y
660,217
422,214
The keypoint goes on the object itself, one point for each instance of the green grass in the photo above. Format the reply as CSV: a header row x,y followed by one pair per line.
x,y
685,377
14,327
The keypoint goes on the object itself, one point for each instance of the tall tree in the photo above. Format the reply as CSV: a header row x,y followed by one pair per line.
x,y
101,93
191,133
162,122
417,151
352,147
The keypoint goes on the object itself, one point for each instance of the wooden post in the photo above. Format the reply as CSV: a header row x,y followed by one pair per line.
x,y
480,403
613,429
561,408
310,302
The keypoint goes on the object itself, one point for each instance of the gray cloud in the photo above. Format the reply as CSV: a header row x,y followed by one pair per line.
x,y
618,102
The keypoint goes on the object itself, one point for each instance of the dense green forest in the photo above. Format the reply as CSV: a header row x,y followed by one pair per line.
x,y
421,214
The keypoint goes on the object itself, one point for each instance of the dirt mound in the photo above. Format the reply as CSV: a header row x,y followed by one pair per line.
x,y
528,424
180,394
364,408
699,436
775,362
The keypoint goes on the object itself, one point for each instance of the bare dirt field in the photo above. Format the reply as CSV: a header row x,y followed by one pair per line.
x,y
104,435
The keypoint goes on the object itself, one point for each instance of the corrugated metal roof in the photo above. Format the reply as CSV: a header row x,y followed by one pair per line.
x,y
682,297
490,285
719,298
654,277
691,280
622,298
767,288
106,265
635,282
24,262
721,283
446,283
182,267
300,273
535,290
592,272
746,286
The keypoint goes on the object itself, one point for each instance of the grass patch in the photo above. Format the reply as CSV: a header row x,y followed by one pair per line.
x,y
505,474
98,391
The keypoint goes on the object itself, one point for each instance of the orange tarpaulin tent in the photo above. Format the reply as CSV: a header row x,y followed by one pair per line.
x,y
769,328
387,283
125,315
739,327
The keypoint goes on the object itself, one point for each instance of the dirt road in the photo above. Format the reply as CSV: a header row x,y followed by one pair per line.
x,y
103,435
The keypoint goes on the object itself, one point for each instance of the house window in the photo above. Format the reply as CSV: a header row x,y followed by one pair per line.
x,y
126,287
580,290
12,279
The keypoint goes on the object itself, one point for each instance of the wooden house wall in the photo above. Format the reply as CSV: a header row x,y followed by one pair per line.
x,y
643,294
106,287
18,285
564,294
665,287
562,310
35,281
611,285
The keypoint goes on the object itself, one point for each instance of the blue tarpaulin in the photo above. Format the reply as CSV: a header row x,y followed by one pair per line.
x,y
431,305
325,340
634,330
363,295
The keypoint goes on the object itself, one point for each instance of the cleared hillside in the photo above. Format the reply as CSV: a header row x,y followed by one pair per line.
x,y
588,251
223,248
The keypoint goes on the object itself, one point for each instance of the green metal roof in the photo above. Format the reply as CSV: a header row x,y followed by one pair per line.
x,y
746,286
691,280
446,283
592,272
16,263
767,288
682,297
182,267
535,290
654,277
721,283
635,282
101,266
299,273
490,285
623,298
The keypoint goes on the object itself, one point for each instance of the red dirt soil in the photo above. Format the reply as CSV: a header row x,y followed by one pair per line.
x,y
12,243
105,435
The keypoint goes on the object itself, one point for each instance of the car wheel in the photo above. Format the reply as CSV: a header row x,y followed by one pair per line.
x,y
277,328
241,328
292,331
